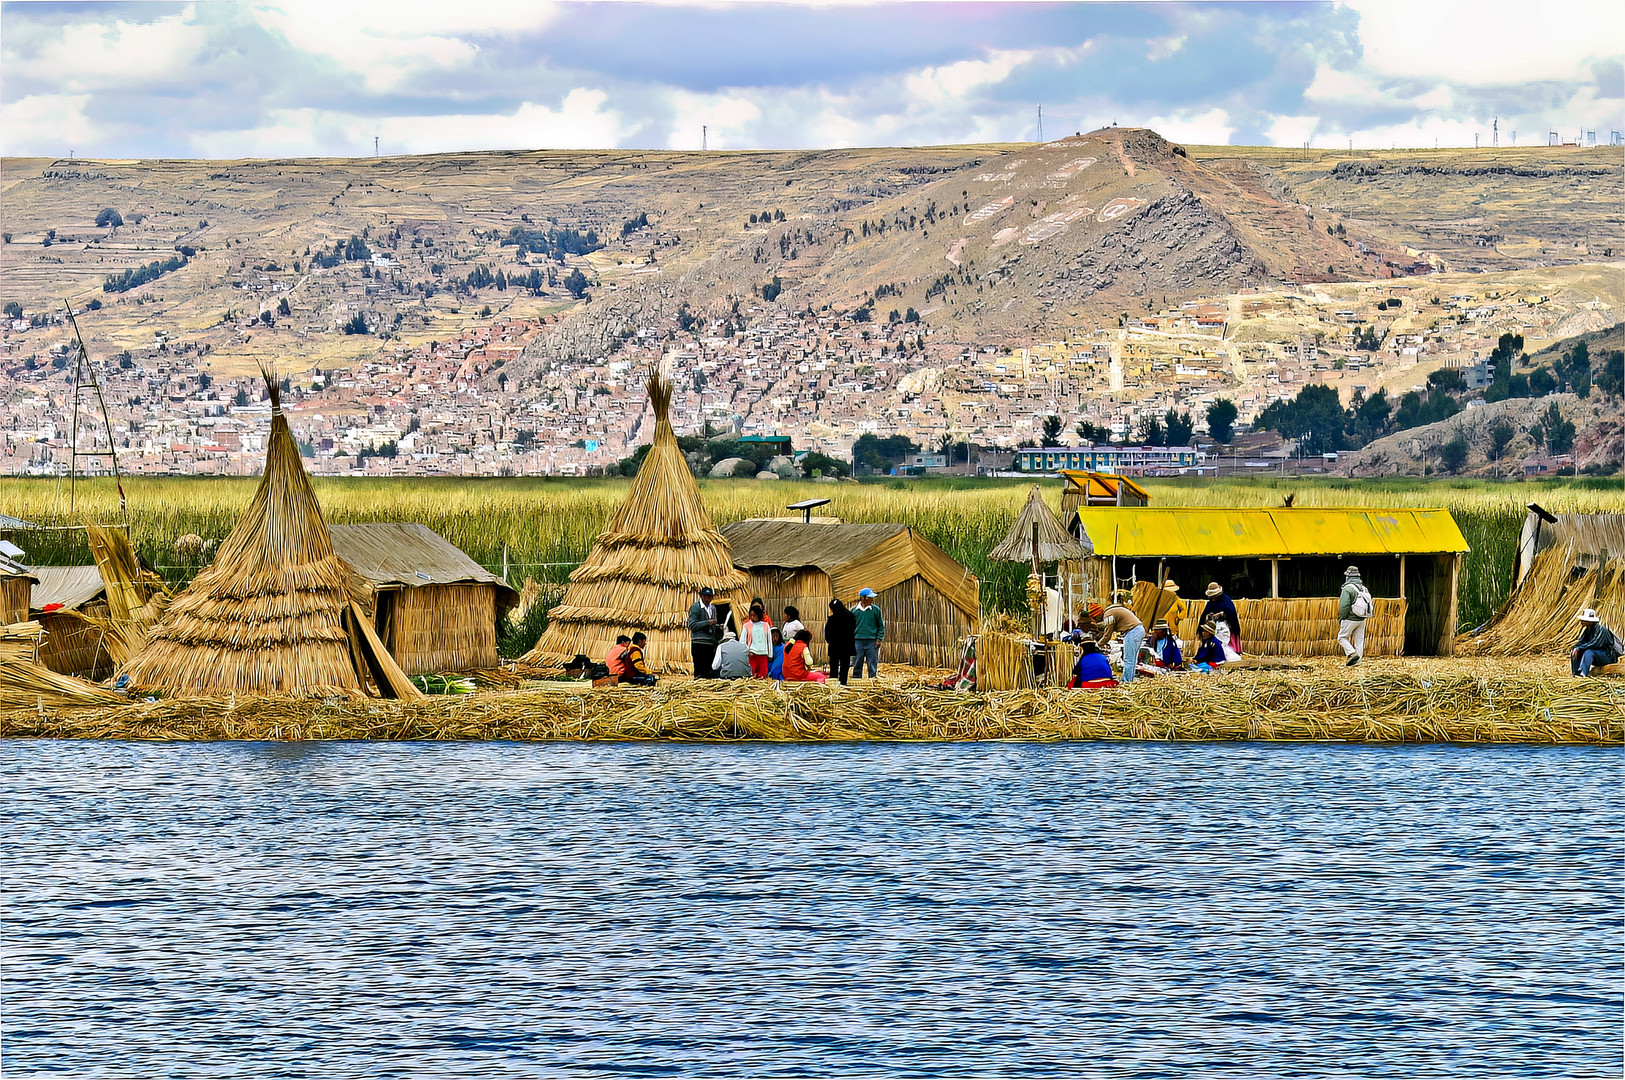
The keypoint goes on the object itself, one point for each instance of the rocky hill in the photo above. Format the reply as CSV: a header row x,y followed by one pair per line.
x,y
995,244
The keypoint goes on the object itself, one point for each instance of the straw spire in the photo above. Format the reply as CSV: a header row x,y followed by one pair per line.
x,y
648,563
1055,544
277,612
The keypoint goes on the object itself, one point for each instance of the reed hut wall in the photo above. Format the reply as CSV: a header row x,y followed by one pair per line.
x,y
75,646
437,628
14,593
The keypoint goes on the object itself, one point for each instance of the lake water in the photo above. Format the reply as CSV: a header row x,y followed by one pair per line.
x,y
502,910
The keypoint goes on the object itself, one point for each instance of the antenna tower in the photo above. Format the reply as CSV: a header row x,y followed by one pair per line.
x,y
1495,131
375,146
1040,121
705,137
84,373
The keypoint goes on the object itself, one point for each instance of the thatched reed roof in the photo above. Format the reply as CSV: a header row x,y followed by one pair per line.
x,y
1055,544
854,556
69,587
658,550
277,612
405,554
1592,539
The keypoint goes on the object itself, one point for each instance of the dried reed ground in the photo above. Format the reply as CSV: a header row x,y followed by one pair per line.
x,y
1391,701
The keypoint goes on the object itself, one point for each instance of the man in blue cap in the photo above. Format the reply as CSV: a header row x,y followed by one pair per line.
x,y
869,631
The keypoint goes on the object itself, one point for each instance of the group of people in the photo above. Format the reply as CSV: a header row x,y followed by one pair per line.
x,y
1218,639
758,649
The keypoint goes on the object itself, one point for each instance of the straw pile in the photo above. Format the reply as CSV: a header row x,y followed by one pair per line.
x,y
1299,626
135,598
1539,616
21,641
647,566
24,684
277,612
1389,704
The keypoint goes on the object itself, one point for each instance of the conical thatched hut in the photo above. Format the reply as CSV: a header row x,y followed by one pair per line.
x,y
1037,520
277,613
647,566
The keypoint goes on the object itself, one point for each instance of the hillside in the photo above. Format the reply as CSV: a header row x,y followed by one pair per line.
x,y
1000,243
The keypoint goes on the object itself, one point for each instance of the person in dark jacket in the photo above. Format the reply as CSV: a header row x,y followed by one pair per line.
x,y
1209,654
1220,606
839,637
1092,668
637,669
705,633
1598,646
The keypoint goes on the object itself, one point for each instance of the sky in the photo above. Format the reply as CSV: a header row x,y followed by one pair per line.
x,y
292,78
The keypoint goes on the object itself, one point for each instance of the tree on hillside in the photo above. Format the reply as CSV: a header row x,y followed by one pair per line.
x,y
1501,436
1453,454
576,282
1151,433
1221,420
109,218
877,455
1448,380
1315,417
1052,430
1368,418
1093,434
1559,432
1177,428
1611,373
1574,368
814,463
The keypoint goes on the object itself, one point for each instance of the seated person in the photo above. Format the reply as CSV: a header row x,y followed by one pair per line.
x,y
637,670
1093,669
733,658
615,659
1209,650
775,670
1164,648
795,660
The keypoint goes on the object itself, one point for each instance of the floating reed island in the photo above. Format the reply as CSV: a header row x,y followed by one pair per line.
x,y
1391,702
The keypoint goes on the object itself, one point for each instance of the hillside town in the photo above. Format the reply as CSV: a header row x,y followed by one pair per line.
x,y
449,407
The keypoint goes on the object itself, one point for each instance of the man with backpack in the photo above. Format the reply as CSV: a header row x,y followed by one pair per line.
x,y
1354,607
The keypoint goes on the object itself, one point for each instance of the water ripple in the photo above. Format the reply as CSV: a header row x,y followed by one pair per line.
x,y
494,910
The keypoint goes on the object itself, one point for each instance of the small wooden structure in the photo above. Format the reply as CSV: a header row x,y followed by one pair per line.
x,y
1086,488
1281,565
16,583
65,601
1038,538
929,601
435,608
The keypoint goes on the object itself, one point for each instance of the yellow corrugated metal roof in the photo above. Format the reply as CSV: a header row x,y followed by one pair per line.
x,y
1101,484
1262,532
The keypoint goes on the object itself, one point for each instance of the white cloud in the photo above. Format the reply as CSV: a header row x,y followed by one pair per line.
x,y
385,41
48,124
1291,130
956,81
730,118
1164,47
105,56
1213,127
1488,42
580,121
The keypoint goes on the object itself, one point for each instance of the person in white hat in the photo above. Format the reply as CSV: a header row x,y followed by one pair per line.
x,y
868,631
1598,646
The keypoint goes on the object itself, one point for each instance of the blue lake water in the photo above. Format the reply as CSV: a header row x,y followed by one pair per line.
x,y
501,910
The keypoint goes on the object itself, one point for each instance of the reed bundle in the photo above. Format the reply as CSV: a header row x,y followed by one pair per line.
x,y
29,685
1294,626
1539,616
135,598
648,565
1389,704
21,640
14,593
